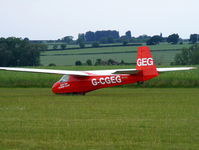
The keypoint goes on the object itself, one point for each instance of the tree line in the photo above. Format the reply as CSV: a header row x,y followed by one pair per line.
x,y
99,62
113,36
19,52
188,56
95,39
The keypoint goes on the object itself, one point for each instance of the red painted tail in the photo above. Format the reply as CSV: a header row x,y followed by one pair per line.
x,y
145,63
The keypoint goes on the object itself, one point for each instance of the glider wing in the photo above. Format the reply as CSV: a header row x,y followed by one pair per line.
x,y
49,71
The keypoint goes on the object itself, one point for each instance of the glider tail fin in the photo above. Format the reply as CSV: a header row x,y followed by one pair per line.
x,y
145,63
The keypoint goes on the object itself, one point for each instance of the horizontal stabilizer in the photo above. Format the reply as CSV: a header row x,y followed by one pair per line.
x,y
126,72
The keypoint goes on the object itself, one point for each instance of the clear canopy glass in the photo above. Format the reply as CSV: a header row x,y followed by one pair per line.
x,y
64,78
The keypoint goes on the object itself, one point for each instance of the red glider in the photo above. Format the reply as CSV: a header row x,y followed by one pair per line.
x,y
81,82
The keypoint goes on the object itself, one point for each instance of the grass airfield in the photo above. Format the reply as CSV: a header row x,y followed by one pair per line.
x,y
107,119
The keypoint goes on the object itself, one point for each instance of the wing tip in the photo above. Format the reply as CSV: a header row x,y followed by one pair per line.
x,y
194,68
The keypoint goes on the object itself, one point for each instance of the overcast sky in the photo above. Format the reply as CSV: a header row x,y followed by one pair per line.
x,y
53,19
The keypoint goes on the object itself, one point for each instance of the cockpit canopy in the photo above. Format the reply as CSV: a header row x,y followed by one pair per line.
x,y
64,78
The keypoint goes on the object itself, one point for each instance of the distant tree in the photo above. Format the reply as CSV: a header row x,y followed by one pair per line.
x,y
128,34
173,38
68,39
195,55
194,38
95,44
81,38
78,63
90,36
122,62
108,36
188,56
63,46
82,45
112,62
110,40
103,40
89,62
98,62
26,39
124,40
19,52
52,65
6,55
124,43
55,46
156,39
141,39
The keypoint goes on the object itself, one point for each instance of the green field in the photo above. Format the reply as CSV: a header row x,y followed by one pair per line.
x,y
163,54
108,119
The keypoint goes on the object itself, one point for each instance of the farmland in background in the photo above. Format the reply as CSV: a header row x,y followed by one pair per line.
x,y
163,54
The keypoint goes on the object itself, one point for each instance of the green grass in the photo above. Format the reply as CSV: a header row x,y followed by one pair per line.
x,y
168,79
128,54
108,119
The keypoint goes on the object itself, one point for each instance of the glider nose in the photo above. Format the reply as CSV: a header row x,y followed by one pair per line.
x,y
55,87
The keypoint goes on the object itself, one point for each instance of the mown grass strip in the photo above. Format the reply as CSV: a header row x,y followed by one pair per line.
x,y
108,119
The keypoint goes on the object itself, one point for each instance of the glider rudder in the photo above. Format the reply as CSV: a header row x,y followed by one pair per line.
x,y
145,63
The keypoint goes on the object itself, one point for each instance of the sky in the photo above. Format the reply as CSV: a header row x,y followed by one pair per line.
x,y
54,19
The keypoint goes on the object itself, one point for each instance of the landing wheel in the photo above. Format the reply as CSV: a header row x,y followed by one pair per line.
x,y
80,94
72,94
140,82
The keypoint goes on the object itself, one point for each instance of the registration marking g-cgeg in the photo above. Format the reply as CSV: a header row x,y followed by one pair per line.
x,y
106,80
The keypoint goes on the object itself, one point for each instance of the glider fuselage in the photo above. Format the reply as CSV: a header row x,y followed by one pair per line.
x,y
84,84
